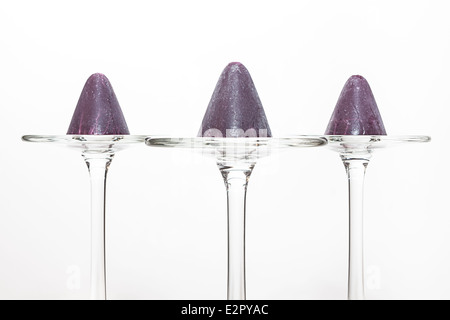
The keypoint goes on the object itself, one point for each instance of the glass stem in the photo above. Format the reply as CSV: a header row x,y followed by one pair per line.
x,y
98,165
356,168
236,180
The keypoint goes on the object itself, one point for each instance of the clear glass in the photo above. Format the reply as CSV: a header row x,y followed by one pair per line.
x,y
98,165
236,181
355,152
356,170
98,152
91,143
236,158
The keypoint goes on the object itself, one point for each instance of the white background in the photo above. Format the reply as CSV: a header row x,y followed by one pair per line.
x,y
166,210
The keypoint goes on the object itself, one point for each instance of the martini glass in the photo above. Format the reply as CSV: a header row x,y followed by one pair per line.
x,y
98,152
355,152
236,158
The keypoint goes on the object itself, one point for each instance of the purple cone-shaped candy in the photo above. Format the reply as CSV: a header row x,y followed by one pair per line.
x,y
98,111
356,112
235,109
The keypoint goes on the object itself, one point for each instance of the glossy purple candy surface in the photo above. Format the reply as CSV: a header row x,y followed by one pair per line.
x,y
98,112
235,109
356,112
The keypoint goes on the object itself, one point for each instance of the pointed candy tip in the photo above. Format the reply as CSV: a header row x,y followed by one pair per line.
x,y
356,111
235,109
98,112
235,64
356,79
97,75
357,76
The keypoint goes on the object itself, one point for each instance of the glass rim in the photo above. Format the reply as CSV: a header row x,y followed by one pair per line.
x,y
235,142
377,138
363,144
85,139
